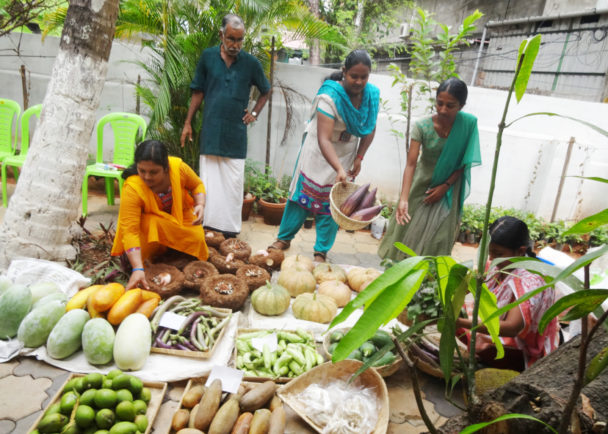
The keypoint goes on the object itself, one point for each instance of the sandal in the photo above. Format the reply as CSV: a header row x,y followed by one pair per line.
x,y
280,245
320,256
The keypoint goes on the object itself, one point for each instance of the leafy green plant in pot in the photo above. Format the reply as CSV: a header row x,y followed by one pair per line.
x,y
272,196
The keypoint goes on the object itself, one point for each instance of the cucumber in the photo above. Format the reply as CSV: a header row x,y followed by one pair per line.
x,y
367,348
42,289
386,359
355,355
381,338
51,297
98,341
15,303
37,325
65,338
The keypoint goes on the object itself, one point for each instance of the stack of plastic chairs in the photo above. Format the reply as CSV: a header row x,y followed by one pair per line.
x,y
9,118
16,161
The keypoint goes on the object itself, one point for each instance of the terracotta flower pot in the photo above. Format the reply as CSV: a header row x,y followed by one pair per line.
x,y
272,212
247,207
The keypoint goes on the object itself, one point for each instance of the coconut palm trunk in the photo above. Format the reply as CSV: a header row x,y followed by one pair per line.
x,y
46,200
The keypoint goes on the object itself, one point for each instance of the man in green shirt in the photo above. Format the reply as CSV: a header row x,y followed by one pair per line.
x,y
223,78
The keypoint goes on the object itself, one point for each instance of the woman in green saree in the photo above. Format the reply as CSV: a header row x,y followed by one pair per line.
x,y
436,184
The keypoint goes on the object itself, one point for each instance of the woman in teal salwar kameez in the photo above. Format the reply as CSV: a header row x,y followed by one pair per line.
x,y
436,179
339,132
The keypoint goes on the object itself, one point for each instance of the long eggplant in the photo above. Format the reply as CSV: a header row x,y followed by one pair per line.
x,y
352,202
369,199
367,213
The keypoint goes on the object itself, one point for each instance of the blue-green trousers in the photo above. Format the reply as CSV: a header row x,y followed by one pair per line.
x,y
293,219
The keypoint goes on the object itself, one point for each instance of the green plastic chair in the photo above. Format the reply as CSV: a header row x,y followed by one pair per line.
x,y
125,127
9,118
18,160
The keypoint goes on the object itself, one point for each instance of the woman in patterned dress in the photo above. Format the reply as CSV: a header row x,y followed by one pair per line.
x,y
519,334
340,130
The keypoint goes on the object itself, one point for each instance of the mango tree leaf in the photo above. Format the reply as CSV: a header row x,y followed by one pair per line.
x,y
474,428
386,306
394,274
582,261
443,264
580,121
373,359
405,249
588,224
529,53
584,302
487,307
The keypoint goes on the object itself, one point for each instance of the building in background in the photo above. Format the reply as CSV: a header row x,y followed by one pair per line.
x,y
572,62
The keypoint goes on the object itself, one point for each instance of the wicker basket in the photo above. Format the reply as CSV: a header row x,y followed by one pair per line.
x,y
326,372
338,194
384,371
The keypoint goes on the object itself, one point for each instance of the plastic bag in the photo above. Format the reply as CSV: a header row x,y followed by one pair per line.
x,y
378,227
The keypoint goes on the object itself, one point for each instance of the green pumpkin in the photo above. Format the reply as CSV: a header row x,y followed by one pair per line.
x,y
270,299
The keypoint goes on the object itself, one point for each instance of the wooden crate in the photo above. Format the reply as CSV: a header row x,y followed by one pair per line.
x,y
195,354
157,390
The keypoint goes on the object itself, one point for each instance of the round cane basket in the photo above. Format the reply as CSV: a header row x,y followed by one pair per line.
x,y
338,194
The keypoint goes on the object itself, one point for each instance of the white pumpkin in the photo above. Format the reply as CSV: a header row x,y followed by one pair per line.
x,y
337,290
326,271
301,260
358,278
297,280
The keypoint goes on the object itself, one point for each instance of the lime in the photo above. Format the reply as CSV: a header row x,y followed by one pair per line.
x,y
142,422
105,398
69,385
68,400
85,416
113,373
79,384
107,383
140,406
102,431
105,418
53,409
135,385
125,410
93,380
145,395
124,395
121,381
88,397
70,428
124,428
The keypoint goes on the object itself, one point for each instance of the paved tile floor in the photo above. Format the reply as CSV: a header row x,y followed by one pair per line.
x,y
27,385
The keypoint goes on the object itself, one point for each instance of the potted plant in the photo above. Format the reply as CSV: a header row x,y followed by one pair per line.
x,y
253,176
272,196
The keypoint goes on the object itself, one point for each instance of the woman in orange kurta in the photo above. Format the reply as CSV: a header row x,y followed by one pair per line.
x,y
161,205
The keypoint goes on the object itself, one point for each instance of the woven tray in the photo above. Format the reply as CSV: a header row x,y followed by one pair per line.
x,y
338,194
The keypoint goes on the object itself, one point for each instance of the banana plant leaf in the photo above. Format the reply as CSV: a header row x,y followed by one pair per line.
x,y
478,426
582,303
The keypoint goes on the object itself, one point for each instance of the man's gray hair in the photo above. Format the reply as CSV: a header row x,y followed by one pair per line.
x,y
235,22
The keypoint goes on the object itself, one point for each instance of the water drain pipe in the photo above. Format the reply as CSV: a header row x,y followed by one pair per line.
x,y
562,178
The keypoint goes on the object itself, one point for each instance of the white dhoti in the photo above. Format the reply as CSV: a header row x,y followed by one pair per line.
x,y
223,178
